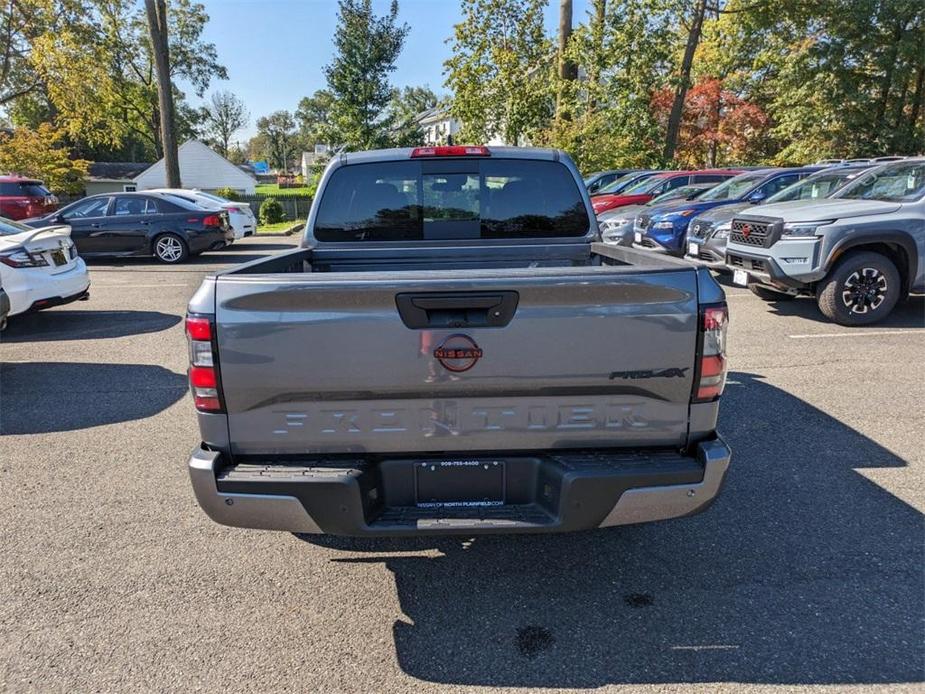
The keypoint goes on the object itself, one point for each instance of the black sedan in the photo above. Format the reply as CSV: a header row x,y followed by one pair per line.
x,y
126,224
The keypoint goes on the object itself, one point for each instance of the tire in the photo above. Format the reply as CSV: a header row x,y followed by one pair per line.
x,y
769,294
170,249
862,289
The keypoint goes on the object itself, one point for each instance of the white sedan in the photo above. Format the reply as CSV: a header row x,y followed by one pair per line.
x,y
239,213
40,268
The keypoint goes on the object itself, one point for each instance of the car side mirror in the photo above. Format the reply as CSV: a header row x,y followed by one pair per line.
x,y
756,197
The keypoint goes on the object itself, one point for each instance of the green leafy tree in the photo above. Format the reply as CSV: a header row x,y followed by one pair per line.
x,y
40,153
277,132
623,52
313,117
500,71
404,108
97,72
365,50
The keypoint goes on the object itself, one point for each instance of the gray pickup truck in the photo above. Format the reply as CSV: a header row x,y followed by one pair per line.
x,y
451,352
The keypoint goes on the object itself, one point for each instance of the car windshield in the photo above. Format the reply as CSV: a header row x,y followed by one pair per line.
x,y
684,192
897,183
644,186
820,185
8,227
735,187
621,183
452,199
33,189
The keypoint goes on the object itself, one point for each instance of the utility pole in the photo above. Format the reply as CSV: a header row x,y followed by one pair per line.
x,y
568,71
157,27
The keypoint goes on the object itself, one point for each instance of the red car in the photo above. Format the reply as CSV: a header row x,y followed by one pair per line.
x,y
21,198
648,188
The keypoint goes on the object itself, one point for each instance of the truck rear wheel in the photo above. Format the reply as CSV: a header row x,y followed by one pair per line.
x,y
769,294
862,289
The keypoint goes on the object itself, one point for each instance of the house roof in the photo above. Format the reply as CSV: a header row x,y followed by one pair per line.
x,y
200,167
115,170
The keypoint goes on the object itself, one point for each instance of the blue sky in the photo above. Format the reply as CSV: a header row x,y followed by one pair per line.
x,y
275,49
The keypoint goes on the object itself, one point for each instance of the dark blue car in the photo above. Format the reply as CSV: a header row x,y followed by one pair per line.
x,y
664,229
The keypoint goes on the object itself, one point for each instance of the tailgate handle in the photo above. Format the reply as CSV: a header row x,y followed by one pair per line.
x,y
457,309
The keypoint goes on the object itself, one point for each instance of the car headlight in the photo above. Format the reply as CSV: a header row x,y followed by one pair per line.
x,y
797,229
611,224
663,225
722,231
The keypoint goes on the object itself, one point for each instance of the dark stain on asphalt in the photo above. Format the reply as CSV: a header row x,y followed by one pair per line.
x,y
638,600
533,640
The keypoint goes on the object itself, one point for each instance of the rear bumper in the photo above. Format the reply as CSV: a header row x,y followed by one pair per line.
x,y
553,491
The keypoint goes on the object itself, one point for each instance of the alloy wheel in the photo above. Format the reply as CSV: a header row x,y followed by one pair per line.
x,y
864,290
169,249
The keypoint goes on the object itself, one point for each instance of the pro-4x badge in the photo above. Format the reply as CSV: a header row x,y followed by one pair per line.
x,y
458,353
673,372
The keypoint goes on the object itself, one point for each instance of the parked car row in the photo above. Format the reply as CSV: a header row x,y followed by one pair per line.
x,y
851,234
41,261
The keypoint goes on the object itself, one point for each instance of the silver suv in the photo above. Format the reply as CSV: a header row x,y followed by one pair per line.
x,y
858,252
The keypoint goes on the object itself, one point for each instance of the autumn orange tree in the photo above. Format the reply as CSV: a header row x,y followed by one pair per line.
x,y
718,127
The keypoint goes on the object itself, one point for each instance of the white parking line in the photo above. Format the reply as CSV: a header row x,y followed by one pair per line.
x,y
717,647
134,286
859,333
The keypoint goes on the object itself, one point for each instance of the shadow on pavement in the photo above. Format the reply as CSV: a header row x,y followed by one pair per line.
x,y
237,253
803,572
906,314
41,397
47,326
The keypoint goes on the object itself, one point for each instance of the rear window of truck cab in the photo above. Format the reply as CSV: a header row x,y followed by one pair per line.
x,y
451,199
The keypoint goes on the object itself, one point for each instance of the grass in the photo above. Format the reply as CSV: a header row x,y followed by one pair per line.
x,y
274,189
277,228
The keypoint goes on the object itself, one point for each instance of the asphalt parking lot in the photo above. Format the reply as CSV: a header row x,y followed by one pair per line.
x,y
807,573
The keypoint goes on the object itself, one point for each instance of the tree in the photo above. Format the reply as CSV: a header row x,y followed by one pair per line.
x,y
313,117
697,15
225,115
404,108
500,70
157,27
97,72
40,153
568,70
718,126
624,52
365,50
277,132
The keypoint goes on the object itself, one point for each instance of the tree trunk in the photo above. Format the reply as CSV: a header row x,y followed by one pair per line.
x,y
916,101
597,39
887,83
677,107
568,71
157,27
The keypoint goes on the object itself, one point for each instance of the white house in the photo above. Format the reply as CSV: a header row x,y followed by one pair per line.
x,y
200,167
438,126
320,154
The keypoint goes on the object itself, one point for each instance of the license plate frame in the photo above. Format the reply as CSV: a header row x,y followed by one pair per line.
x,y
740,277
463,482
59,258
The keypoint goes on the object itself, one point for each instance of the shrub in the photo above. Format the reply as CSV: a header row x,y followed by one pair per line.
x,y
271,212
227,193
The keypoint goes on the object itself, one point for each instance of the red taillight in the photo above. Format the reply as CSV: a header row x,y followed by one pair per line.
x,y
203,370
450,151
212,220
711,371
202,377
198,328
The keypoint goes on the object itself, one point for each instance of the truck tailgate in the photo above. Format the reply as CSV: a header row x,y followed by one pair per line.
x,y
325,363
